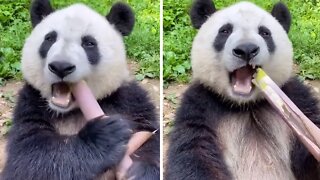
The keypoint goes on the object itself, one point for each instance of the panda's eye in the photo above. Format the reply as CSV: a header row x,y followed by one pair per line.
x,y
88,42
264,32
51,37
226,29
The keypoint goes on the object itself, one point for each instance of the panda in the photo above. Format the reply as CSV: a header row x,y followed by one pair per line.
x,y
224,128
53,141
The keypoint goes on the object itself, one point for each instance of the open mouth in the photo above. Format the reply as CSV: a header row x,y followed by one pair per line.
x,y
241,80
61,95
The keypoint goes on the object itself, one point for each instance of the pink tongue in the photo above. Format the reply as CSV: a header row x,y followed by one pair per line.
x,y
242,79
61,95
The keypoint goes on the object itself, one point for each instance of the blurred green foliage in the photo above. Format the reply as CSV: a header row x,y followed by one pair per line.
x,y
143,45
178,36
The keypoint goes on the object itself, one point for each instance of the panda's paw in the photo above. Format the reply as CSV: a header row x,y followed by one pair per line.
x,y
109,135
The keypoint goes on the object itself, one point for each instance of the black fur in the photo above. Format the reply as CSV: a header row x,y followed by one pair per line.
x,y
222,37
37,151
48,41
122,17
200,11
39,10
303,164
282,14
90,46
194,151
265,33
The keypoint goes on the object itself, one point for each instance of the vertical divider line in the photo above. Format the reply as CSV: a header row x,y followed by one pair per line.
x,y
161,90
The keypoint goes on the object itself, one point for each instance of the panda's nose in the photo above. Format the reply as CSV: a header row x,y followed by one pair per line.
x,y
61,68
246,51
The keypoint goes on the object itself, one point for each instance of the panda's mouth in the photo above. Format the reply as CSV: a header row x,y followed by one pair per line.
x,y
241,80
61,95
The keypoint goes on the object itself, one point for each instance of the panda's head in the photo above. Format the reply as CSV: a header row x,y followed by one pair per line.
x,y
231,43
73,44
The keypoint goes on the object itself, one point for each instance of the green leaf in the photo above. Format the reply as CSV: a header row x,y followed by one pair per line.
x,y
140,77
180,69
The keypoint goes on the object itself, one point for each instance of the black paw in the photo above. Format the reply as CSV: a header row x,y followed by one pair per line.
x,y
108,136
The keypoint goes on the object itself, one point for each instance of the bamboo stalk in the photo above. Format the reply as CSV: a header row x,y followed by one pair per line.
x,y
306,131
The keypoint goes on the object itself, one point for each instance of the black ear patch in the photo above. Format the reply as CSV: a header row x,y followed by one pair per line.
x,y
282,14
122,17
39,10
200,11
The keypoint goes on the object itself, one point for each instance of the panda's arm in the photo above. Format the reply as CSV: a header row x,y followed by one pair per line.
x,y
133,102
36,151
303,164
194,152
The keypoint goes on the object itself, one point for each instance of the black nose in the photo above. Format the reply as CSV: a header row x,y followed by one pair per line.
x,y
246,51
61,68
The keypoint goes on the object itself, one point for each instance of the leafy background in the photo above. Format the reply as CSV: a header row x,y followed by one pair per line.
x,y
178,36
143,45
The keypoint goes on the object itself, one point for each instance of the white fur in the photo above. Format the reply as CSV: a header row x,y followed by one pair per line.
x,y
71,24
71,125
256,148
212,68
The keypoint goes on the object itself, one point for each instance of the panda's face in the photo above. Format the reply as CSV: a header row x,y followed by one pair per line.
x,y
232,43
70,45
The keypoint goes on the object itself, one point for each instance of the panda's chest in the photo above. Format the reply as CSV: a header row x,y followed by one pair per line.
x,y
256,146
70,125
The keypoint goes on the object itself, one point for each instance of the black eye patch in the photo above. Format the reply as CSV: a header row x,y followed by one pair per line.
x,y
90,46
265,33
222,36
48,41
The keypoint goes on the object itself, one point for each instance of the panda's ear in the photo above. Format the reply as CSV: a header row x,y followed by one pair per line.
x,y
39,10
282,14
200,11
122,17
